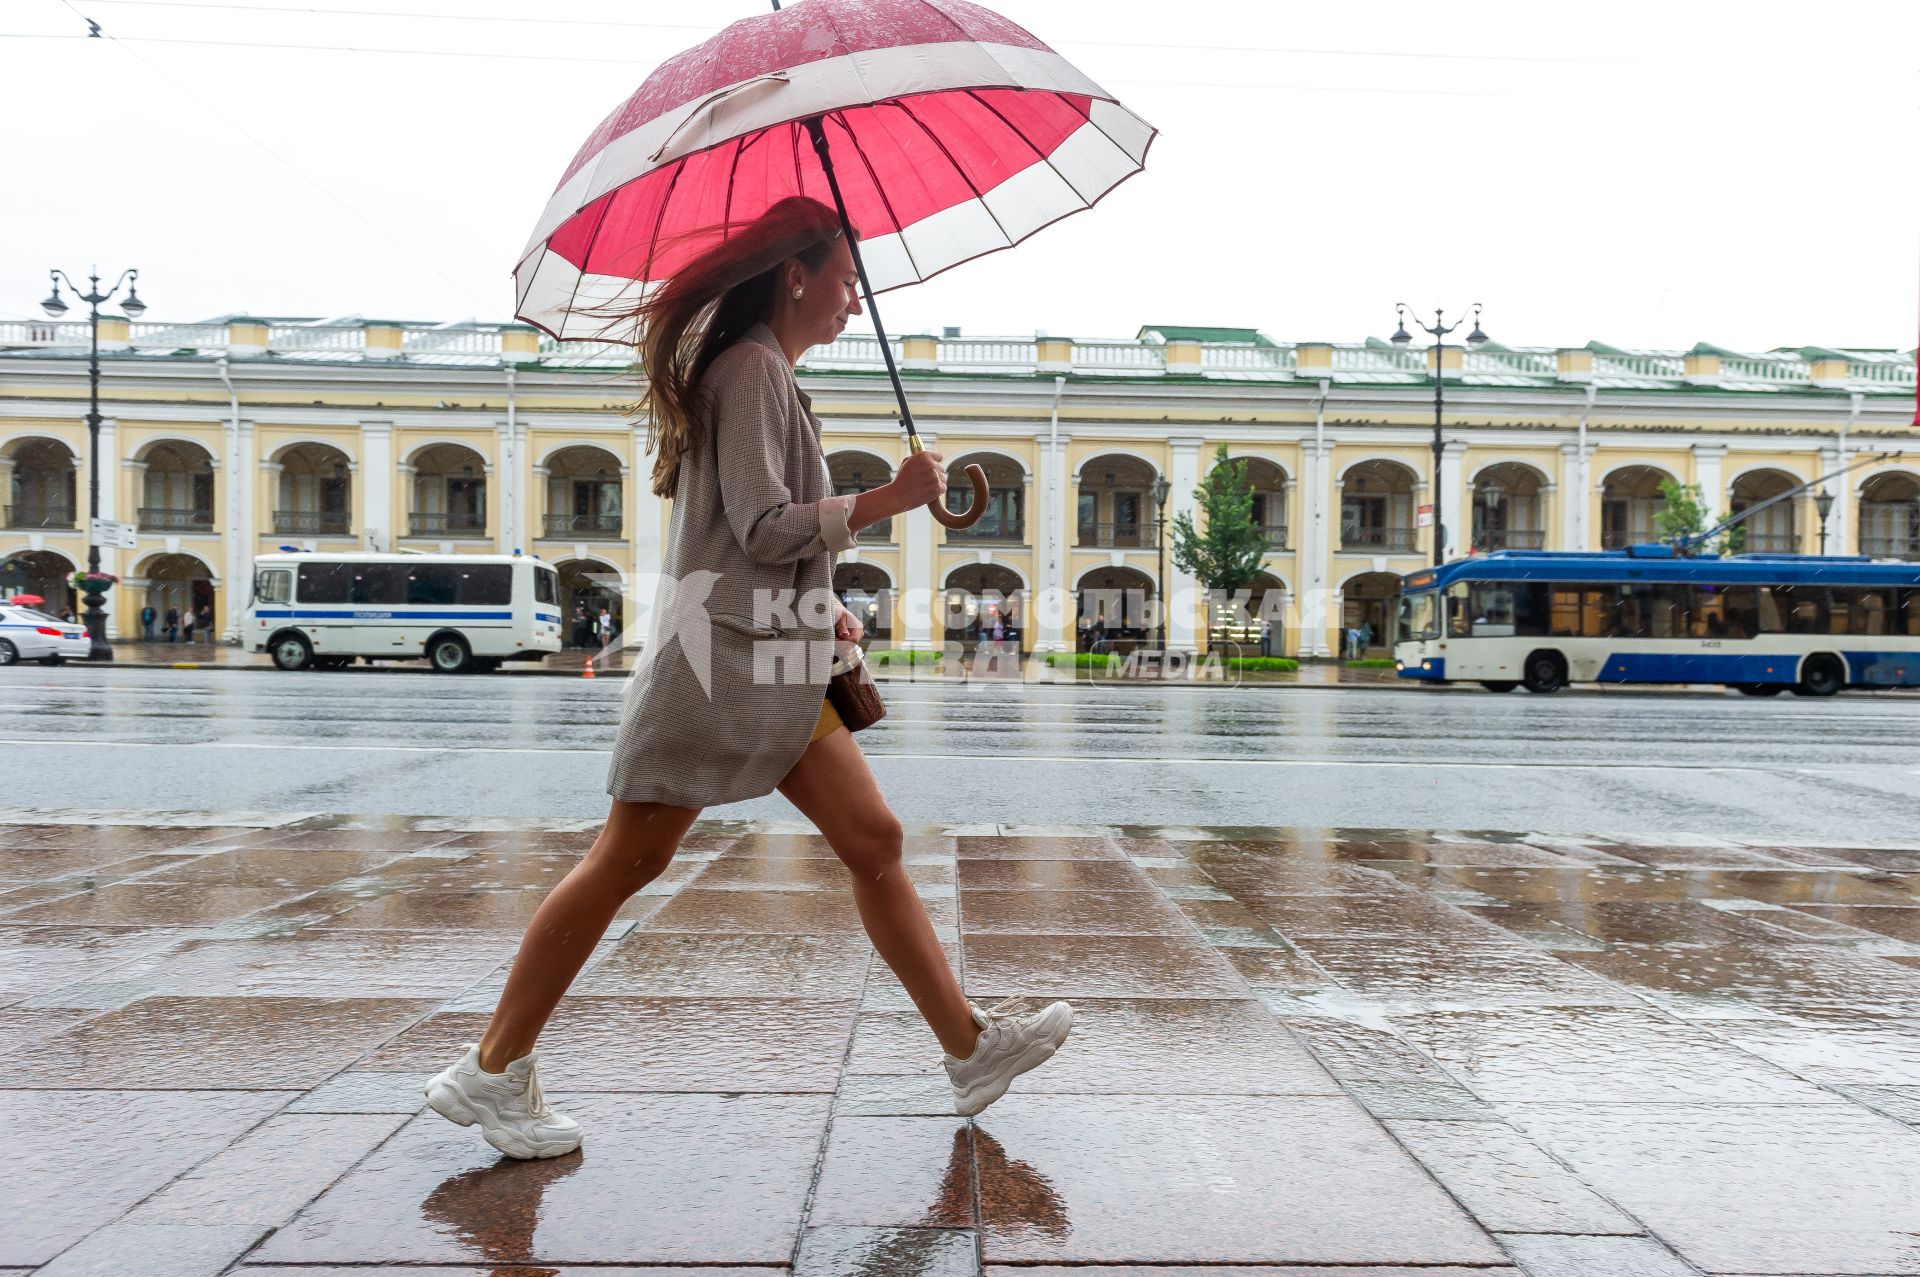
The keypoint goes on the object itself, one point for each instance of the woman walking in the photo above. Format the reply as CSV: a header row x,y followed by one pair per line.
x,y
723,717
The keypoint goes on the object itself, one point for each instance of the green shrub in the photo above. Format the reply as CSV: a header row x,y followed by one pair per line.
x,y
1373,663
900,656
1265,664
1083,660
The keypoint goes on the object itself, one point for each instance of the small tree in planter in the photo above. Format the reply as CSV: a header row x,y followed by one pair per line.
x,y
1229,555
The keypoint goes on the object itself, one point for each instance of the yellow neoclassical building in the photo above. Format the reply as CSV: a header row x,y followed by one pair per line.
x,y
240,435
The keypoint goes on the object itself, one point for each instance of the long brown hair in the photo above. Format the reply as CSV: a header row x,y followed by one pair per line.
x,y
706,306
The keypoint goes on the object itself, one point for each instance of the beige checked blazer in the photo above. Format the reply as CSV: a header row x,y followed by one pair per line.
x,y
751,518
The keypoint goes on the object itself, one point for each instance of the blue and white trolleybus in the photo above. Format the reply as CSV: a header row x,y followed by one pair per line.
x,y
1761,623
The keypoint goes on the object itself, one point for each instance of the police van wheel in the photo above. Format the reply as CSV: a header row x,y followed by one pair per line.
x,y
1499,685
8,653
292,652
1543,672
449,655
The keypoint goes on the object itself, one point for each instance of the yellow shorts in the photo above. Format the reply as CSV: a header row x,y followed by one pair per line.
x,y
829,721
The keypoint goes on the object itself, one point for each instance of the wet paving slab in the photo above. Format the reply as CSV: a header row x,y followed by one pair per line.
x,y
1380,1052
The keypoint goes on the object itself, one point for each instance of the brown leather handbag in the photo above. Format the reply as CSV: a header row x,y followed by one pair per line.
x,y
855,699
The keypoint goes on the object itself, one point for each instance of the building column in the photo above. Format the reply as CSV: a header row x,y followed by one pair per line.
x,y
235,474
1706,472
1572,506
1839,518
1047,608
646,532
1180,593
1550,504
916,603
506,477
1457,505
109,509
377,477
1315,549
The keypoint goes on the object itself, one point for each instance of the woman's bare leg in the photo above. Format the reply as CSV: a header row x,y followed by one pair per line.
x,y
634,847
834,788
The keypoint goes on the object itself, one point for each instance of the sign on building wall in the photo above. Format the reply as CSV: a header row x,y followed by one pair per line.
x,y
1423,517
117,536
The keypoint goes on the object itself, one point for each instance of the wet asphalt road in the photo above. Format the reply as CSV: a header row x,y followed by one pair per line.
x,y
371,744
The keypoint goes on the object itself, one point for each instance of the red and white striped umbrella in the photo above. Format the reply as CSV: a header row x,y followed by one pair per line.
x,y
953,133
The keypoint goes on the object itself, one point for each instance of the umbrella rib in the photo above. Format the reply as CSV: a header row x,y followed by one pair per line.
x,y
879,190
979,196
733,169
1046,158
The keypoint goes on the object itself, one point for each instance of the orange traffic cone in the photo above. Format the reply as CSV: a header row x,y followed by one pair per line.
x,y
587,672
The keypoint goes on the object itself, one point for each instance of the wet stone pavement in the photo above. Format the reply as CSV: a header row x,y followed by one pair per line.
x,y
1369,1052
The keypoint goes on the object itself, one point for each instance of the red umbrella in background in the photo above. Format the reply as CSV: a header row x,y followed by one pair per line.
x,y
938,128
27,600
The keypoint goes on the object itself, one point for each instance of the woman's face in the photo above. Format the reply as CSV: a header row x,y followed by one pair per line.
x,y
831,297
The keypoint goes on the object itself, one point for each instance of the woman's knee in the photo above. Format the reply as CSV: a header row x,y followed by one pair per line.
x,y
874,849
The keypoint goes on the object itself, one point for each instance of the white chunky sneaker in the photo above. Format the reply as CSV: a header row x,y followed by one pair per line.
x,y
513,1116
1009,1045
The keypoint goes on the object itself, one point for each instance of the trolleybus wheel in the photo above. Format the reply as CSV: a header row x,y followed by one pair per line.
x,y
1822,675
1543,672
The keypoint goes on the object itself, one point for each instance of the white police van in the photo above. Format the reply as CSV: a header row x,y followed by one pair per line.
x,y
458,611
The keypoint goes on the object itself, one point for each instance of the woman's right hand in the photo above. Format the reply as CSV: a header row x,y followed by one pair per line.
x,y
922,480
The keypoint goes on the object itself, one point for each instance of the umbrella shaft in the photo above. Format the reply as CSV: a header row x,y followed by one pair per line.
x,y
817,129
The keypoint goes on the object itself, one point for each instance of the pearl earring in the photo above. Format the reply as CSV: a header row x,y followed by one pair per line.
x,y
797,292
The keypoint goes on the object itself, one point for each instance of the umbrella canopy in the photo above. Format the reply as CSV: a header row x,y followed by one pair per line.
x,y
953,131
28,600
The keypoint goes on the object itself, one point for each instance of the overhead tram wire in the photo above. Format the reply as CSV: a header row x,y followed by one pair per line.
x,y
1155,46
485,306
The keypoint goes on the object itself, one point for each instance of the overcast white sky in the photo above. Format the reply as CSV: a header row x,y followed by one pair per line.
x,y
1745,172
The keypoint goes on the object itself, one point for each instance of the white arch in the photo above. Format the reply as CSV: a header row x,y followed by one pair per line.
x,y
1381,456
148,445
1025,582
10,450
1546,480
1080,581
558,448
145,566
283,449
598,560
1341,587
991,451
1254,455
424,444
861,450
1142,458
1600,484
1911,472
72,562
1757,467
868,563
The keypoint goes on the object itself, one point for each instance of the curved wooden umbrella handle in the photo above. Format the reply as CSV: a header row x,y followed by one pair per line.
x,y
971,515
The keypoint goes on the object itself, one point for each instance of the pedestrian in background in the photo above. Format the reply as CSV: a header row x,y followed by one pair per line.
x,y
603,626
186,621
206,623
582,626
147,617
173,624
1266,637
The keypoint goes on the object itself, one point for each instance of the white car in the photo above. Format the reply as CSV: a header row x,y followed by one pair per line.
x,y
27,635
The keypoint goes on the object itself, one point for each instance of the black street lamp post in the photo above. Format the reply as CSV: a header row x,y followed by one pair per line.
x,y
1160,489
93,615
1823,502
1438,331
